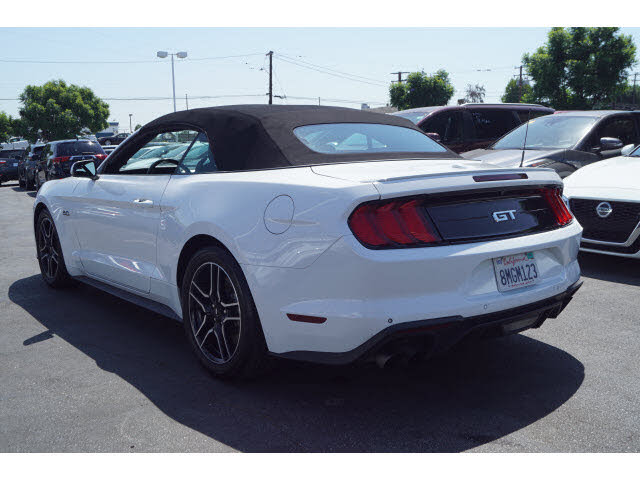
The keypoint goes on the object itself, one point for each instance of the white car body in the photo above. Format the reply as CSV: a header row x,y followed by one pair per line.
x,y
288,229
615,182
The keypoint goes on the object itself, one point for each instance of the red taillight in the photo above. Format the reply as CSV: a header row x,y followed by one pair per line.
x,y
395,223
3,161
553,196
59,159
101,156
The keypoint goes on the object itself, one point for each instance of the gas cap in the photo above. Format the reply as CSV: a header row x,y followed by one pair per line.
x,y
278,214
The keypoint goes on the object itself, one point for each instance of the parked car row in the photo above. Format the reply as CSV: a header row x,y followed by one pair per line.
x,y
53,160
498,133
472,125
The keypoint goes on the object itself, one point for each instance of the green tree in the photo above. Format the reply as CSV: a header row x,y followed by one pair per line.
x,y
474,93
138,127
512,92
6,127
421,90
579,68
55,111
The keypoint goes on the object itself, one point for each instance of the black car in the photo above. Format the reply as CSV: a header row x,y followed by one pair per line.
x,y
116,139
27,167
472,125
58,156
565,141
9,164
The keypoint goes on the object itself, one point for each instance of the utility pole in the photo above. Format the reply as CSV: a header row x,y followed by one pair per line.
x,y
635,76
270,55
130,128
173,82
399,76
318,101
520,86
186,99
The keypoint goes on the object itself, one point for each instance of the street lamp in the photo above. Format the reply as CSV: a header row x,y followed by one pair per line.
x,y
130,129
163,54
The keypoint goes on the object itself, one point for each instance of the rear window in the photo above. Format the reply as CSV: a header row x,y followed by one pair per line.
x,y
69,149
11,153
345,138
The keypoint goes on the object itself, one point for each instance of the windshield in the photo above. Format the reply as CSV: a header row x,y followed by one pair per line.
x,y
345,138
69,149
635,153
549,132
415,117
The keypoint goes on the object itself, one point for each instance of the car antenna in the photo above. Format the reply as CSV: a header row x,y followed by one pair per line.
x,y
526,132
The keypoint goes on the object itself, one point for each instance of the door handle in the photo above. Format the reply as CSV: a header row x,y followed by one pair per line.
x,y
144,202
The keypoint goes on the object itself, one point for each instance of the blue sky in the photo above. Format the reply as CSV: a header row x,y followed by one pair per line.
x,y
370,54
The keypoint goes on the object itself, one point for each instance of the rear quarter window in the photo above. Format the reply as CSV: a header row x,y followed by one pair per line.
x,y
492,124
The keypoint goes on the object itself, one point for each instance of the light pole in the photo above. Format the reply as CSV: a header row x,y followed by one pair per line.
x,y
163,54
130,128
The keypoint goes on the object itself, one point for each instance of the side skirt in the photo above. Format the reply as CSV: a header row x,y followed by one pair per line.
x,y
143,302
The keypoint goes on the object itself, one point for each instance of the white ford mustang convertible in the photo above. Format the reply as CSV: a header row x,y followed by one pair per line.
x,y
312,233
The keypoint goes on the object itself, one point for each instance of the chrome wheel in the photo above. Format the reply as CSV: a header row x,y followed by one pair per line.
x,y
48,254
214,313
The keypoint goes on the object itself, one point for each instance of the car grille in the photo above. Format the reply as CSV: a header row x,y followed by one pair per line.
x,y
615,228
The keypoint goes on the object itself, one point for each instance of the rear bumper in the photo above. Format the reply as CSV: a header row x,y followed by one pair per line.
x,y
362,292
8,173
439,334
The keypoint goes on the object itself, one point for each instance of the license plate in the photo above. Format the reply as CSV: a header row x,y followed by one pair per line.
x,y
15,164
516,271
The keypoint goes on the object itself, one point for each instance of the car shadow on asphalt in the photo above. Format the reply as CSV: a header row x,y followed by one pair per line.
x,y
610,268
31,193
476,394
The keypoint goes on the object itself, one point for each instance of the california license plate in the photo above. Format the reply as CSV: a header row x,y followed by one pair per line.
x,y
15,164
516,271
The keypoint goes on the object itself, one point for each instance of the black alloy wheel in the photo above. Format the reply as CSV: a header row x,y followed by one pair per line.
x,y
220,318
50,256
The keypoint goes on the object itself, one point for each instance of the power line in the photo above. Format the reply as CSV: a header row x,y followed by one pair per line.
x,y
327,72
330,69
110,62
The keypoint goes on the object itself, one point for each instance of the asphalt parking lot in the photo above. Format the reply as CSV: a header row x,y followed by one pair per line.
x,y
81,370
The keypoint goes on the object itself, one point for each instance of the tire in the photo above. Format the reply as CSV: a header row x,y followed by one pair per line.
x,y
222,325
49,253
21,183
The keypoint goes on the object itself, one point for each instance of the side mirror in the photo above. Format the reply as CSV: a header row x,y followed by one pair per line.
x,y
434,136
610,143
84,168
627,149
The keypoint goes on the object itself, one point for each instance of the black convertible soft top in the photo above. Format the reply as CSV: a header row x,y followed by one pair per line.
x,y
250,137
